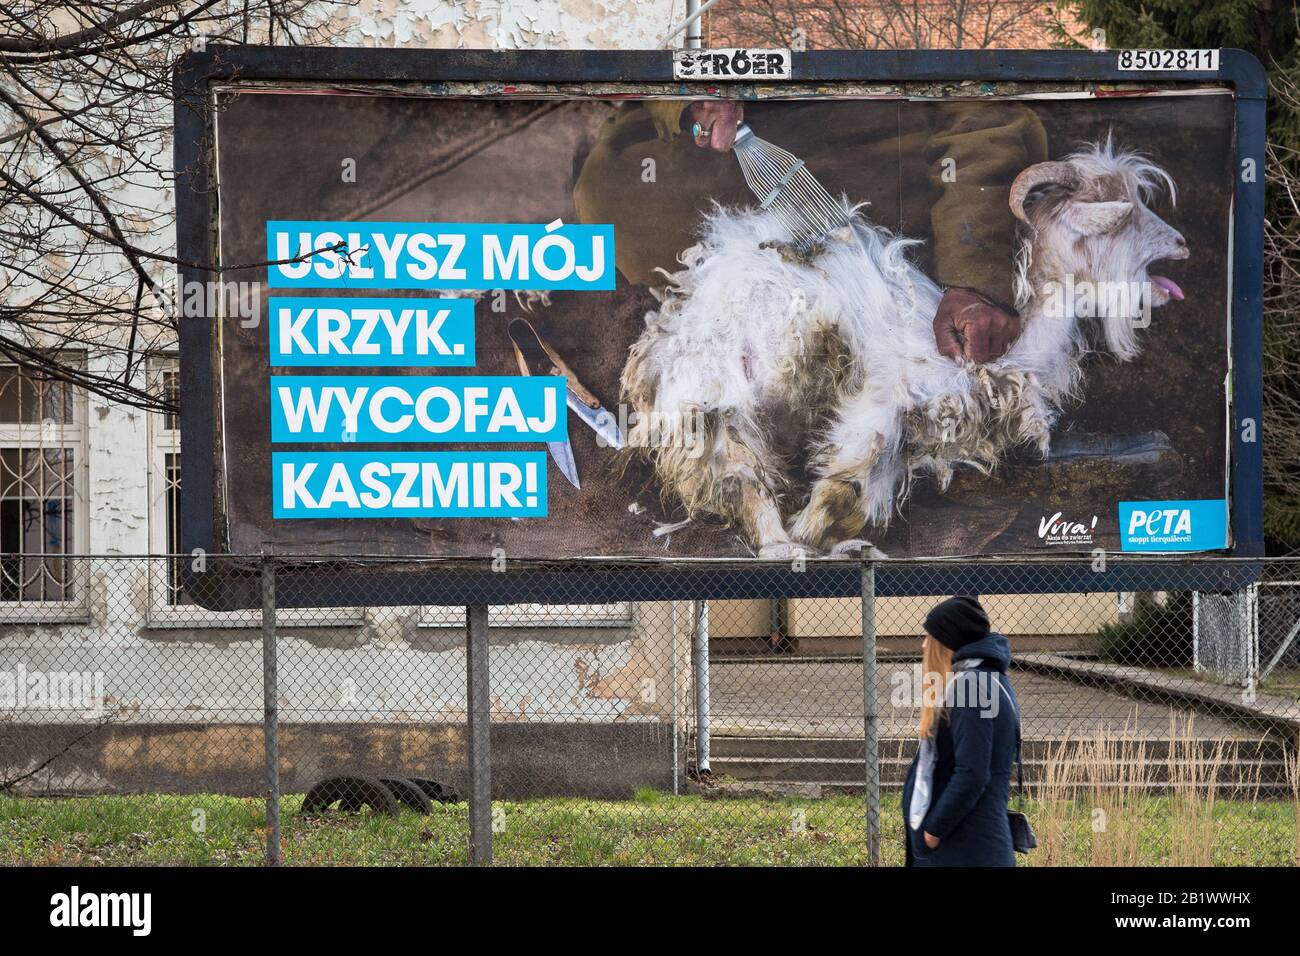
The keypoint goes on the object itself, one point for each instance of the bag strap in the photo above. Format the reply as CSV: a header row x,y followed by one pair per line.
x,y
1020,773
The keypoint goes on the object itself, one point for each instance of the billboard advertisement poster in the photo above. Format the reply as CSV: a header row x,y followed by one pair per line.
x,y
661,323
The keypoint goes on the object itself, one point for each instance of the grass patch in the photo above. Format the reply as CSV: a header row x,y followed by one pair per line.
x,y
651,829
1283,683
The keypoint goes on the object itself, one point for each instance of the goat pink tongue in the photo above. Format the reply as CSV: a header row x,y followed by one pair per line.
x,y
1169,285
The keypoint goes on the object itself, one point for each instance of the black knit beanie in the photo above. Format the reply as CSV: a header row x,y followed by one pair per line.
x,y
957,622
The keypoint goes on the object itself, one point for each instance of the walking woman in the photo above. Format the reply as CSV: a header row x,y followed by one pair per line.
x,y
955,798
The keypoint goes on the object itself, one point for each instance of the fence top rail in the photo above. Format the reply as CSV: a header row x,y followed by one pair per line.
x,y
551,564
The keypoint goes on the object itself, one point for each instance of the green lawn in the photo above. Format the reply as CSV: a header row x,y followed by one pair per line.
x,y
653,829
1283,683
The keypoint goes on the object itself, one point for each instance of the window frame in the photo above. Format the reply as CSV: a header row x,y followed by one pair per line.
x,y
74,435
163,536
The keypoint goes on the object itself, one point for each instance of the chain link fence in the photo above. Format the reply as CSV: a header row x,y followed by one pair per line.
x,y
139,727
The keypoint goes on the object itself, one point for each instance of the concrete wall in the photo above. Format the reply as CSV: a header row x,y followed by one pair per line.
x,y
528,760
575,709
1013,614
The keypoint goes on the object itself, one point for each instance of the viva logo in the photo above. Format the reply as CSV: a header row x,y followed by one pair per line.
x,y
1058,530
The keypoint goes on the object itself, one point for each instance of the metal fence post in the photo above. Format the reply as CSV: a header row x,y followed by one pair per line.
x,y
700,665
870,712
270,713
479,707
677,698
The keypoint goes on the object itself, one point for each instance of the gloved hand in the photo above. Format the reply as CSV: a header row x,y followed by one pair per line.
x,y
971,326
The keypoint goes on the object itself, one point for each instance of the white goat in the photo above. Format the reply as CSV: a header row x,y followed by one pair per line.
x,y
822,365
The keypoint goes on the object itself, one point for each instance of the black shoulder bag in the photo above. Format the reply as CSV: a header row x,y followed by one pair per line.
x,y
1022,834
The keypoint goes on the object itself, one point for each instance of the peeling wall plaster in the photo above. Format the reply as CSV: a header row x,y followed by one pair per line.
x,y
515,24
117,466
196,682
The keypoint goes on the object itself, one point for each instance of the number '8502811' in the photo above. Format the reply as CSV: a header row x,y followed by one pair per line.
x,y
1169,59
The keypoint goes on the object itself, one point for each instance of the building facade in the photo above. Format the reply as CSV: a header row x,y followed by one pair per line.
x,y
175,690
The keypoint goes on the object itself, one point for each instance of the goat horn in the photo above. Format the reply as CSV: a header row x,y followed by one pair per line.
x,y
1061,173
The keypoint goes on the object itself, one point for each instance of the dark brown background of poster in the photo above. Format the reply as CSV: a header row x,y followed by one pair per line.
x,y
280,157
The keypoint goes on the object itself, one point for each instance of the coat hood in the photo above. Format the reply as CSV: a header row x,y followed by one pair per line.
x,y
994,649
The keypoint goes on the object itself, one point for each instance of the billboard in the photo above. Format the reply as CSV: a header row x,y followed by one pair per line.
x,y
565,308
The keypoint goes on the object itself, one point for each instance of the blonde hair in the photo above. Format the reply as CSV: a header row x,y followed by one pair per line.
x,y
936,669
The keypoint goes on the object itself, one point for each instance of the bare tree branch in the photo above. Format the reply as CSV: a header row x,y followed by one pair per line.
x,y
88,274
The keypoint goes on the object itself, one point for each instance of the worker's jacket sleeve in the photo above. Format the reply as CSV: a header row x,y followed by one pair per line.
x,y
973,153
667,116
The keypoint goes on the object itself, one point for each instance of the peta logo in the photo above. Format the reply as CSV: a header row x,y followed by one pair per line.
x,y
1173,525
74,908
1058,530
1167,522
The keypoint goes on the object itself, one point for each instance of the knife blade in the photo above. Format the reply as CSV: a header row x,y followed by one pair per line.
x,y
597,419
562,454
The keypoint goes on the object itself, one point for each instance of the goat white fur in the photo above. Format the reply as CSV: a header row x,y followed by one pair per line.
x,y
826,360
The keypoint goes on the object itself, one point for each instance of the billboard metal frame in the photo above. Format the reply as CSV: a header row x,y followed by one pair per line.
x,y
334,580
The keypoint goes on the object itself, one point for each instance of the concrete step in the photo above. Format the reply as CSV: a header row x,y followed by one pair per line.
x,y
802,769
1032,749
1224,788
837,761
831,747
821,770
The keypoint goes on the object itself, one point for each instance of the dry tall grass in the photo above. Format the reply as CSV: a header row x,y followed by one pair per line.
x,y
1193,781
1104,801
1117,778
1055,810
1102,781
1292,758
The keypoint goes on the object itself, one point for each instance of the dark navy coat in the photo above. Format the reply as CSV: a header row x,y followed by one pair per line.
x,y
976,749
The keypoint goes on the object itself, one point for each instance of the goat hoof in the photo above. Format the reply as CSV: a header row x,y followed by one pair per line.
x,y
786,551
858,548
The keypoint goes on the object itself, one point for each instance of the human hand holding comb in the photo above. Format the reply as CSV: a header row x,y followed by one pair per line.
x,y
715,123
968,325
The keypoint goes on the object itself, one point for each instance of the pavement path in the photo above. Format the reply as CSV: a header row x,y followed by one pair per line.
x,y
823,698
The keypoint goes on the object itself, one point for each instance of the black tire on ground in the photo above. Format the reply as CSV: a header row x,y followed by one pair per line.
x,y
408,794
351,792
435,791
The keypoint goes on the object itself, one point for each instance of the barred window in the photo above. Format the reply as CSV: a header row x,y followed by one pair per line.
x,y
167,475
42,487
